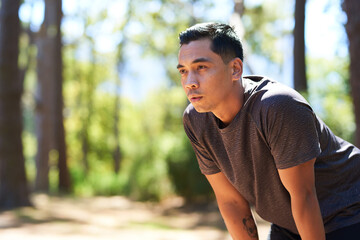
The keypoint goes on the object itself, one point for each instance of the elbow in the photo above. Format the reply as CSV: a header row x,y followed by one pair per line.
x,y
304,200
304,194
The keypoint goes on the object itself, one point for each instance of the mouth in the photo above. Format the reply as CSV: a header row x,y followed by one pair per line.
x,y
195,99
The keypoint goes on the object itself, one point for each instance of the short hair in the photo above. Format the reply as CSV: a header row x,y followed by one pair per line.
x,y
224,40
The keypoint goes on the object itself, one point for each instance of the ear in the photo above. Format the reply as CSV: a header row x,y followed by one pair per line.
x,y
237,68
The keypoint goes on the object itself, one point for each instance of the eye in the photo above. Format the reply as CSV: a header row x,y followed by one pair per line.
x,y
201,67
182,71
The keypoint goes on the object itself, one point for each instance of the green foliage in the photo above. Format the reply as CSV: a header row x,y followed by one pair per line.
x,y
329,92
161,39
157,160
185,173
29,148
265,26
153,145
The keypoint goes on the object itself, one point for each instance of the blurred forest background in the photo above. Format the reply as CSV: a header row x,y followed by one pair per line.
x,y
90,98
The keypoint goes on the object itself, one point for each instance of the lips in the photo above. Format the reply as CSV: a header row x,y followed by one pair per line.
x,y
195,98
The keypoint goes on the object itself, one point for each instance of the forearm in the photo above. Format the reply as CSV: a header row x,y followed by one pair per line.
x,y
234,208
239,221
307,216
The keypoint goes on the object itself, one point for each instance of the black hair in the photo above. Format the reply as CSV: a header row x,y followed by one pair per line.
x,y
224,40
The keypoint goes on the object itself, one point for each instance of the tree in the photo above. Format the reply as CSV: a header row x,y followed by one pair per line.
x,y
352,9
13,183
235,19
265,29
300,81
86,74
50,126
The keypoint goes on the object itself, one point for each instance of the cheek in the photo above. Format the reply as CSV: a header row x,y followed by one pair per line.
x,y
182,82
184,88
221,80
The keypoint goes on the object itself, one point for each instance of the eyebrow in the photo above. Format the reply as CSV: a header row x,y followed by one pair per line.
x,y
202,59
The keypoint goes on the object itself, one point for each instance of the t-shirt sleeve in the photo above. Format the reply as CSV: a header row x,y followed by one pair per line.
x,y
206,164
291,130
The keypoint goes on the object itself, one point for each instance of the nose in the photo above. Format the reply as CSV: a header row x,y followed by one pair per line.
x,y
191,82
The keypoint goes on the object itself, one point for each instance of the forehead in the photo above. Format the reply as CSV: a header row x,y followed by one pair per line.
x,y
195,50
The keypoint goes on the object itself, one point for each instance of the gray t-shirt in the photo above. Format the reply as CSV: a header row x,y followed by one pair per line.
x,y
277,129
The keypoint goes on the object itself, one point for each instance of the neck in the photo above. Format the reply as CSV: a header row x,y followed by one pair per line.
x,y
232,105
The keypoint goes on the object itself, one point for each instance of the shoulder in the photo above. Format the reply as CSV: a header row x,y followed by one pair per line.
x,y
272,104
269,89
284,99
267,94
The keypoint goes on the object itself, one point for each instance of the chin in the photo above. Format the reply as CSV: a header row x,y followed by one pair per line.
x,y
201,110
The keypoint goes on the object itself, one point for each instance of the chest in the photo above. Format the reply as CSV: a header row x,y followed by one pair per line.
x,y
243,155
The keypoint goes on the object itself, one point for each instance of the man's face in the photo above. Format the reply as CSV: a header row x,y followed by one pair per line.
x,y
206,79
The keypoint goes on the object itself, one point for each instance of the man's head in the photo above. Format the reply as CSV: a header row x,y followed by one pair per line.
x,y
224,40
210,66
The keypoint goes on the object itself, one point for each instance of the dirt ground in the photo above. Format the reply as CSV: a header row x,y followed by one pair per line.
x,y
55,218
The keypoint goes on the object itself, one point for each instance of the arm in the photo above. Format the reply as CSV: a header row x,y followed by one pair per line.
x,y
300,183
234,208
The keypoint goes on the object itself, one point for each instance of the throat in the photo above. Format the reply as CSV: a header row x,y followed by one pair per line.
x,y
221,124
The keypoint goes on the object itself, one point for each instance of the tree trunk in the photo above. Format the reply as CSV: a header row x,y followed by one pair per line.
x,y
50,126
117,154
13,183
87,97
235,19
117,151
352,9
300,82
60,143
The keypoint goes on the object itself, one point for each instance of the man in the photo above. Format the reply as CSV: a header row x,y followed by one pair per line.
x,y
260,144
